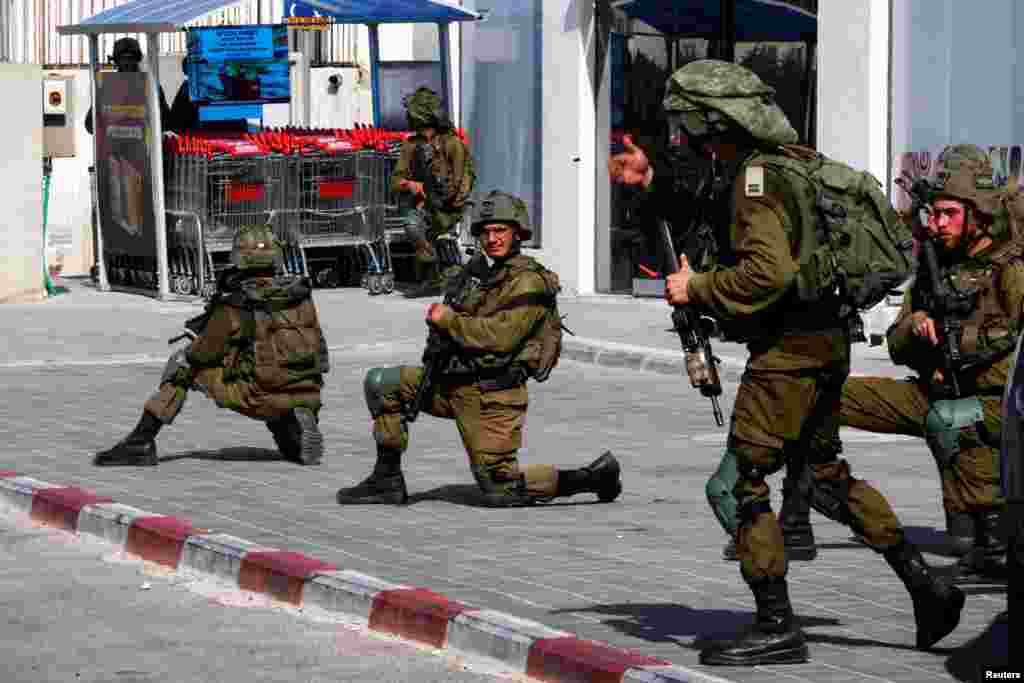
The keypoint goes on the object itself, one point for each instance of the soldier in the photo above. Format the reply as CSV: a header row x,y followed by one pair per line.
x,y
787,404
431,199
497,344
986,268
126,57
258,350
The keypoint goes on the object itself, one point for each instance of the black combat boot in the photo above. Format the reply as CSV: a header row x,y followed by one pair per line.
x,y
298,437
601,477
429,285
774,639
986,561
960,532
384,486
795,521
937,602
138,449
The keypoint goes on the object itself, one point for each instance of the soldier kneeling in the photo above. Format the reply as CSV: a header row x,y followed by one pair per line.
x,y
258,350
499,326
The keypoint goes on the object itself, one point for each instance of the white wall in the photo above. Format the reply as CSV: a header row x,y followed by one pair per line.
x,y
853,92
569,120
21,176
351,104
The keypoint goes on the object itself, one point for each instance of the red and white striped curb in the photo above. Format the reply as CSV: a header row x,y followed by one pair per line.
x,y
417,614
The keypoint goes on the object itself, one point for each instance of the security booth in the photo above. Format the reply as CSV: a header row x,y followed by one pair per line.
x,y
168,206
647,41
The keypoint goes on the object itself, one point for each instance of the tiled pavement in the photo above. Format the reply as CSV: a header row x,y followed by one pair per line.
x,y
643,573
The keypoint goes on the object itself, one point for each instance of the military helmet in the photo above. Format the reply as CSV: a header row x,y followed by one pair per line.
x,y
126,46
707,89
954,157
423,109
255,248
968,180
501,207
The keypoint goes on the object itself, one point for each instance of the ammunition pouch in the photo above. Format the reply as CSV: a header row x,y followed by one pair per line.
x,y
178,371
946,421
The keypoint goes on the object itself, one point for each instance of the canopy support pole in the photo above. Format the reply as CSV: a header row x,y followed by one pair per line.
x,y
94,68
727,31
446,65
156,160
375,73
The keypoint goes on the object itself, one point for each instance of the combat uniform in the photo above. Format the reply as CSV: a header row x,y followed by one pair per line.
x,y
258,350
447,185
918,407
787,404
483,389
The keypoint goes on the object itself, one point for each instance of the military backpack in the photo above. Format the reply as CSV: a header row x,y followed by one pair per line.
x,y
543,349
861,247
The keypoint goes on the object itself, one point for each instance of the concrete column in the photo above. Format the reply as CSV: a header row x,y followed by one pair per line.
x,y
853,83
156,160
569,121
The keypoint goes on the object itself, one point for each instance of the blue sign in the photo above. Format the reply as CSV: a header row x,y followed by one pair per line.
x,y
238,64
231,112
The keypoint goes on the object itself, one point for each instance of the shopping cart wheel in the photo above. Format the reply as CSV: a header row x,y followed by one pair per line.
x,y
209,289
182,285
389,283
373,284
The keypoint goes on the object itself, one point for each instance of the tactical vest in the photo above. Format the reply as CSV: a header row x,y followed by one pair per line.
x,y
988,330
540,351
442,166
266,332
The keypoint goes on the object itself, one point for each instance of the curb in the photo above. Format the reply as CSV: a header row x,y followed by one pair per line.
x,y
643,358
412,613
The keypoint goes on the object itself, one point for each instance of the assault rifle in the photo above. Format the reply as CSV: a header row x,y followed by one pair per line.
x,y
943,304
440,348
695,333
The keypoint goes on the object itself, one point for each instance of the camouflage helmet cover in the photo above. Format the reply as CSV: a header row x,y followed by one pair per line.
x,y
423,109
967,177
733,90
501,207
255,248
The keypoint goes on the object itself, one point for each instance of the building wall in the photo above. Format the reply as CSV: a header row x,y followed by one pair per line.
x,y
853,92
21,176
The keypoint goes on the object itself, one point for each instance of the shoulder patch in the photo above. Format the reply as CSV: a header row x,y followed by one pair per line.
x,y
753,183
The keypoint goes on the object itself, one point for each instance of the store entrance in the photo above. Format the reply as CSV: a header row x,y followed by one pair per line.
x,y
646,45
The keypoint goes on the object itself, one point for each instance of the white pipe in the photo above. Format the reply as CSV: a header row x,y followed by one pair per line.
x,y
156,161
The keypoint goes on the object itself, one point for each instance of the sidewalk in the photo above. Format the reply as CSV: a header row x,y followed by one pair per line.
x,y
644,574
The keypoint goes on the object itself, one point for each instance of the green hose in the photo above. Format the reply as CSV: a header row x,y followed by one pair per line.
x,y
51,289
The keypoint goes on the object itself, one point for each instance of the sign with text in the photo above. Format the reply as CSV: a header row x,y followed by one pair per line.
x,y
124,176
238,64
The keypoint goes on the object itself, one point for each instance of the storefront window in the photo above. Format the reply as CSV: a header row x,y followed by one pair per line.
x,y
642,58
501,100
955,80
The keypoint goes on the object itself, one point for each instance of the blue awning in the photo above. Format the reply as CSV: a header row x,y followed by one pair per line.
x,y
161,16
381,11
756,20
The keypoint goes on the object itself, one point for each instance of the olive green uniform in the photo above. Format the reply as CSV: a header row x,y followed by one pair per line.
x,y
451,162
970,481
261,354
489,408
788,399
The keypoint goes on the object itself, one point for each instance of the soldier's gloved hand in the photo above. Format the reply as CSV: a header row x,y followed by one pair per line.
x,y
677,284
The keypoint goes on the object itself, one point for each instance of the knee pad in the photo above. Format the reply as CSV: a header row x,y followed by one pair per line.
x,y
719,492
178,370
946,422
377,384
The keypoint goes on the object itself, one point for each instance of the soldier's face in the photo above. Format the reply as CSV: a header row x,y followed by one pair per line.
x,y
496,239
946,222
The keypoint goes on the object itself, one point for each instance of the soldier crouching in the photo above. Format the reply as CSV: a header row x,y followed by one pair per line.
x,y
259,351
497,336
